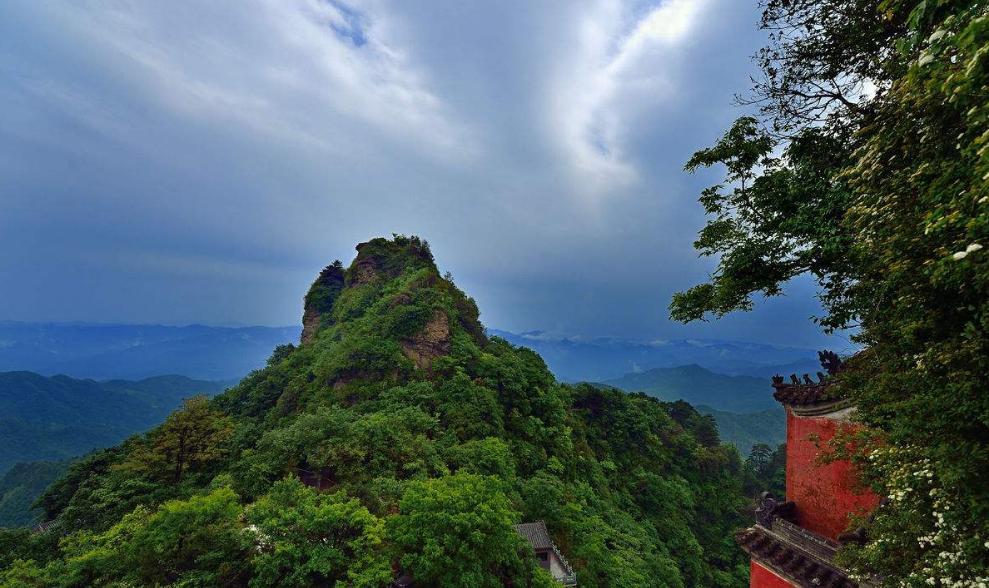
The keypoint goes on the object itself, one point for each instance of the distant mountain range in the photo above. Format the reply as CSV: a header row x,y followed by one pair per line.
x,y
742,429
597,360
104,351
54,418
701,387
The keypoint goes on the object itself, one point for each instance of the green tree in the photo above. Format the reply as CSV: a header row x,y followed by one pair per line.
x,y
306,538
883,197
457,532
189,440
195,542
775,218
199,541
765,470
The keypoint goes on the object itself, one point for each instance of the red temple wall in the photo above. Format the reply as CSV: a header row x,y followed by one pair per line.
x,y
824,493
760,577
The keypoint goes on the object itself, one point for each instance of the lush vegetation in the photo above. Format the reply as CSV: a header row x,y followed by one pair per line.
x,y
765,470
868,168
60,417
398,437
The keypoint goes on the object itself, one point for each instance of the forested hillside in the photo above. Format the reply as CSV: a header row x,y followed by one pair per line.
x,y
747,429
396,437
60,417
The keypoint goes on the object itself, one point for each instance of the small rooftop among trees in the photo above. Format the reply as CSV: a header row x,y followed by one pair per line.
x,y
548,554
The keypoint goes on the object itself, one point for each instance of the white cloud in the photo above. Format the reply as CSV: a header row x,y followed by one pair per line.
x,y
622,54
285,69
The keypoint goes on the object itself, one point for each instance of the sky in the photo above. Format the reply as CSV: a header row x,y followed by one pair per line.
x,y
179,162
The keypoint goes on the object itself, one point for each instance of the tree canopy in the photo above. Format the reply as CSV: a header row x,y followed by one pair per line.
x,y
867,167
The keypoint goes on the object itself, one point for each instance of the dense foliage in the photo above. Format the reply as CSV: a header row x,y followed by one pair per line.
x,y
765,470
872,175
399,438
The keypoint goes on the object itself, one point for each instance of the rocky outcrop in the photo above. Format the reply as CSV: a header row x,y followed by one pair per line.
x,y
319,301
310,324
431,342
364,272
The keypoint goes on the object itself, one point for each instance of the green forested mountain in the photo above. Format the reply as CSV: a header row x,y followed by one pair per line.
x,y
396,437
742,406
21,486
699,386
59,417
747,429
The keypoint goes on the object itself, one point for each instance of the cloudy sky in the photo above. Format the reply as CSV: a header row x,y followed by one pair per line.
x,y
201,161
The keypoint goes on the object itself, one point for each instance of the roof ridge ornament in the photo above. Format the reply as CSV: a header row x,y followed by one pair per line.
x,y
830,361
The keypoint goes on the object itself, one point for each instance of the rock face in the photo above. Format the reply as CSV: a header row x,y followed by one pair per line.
x,y
364,272
310,324
431,342
421,315
319,301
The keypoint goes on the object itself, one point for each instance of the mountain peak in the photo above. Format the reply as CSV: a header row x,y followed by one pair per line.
x,y
392,293
377,261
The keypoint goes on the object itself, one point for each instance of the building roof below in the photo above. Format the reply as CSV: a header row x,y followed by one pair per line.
x,y
536,534
789,561
806,393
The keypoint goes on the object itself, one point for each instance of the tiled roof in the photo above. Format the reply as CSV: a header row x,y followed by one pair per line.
x,y
799,394
536,534
805,391
794,564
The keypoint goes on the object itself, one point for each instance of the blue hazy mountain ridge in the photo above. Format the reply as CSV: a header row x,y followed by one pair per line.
x,y
701,387
54,418
597,360
134,352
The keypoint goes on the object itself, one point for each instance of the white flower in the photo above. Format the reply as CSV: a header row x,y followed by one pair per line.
x,y
925,59
973,247
960,255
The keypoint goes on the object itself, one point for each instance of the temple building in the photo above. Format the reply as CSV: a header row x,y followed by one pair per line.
x,y
549,555
794,542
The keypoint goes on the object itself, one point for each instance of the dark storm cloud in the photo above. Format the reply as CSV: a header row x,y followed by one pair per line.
x,y
201,161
